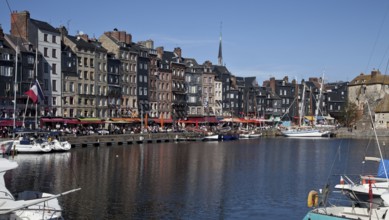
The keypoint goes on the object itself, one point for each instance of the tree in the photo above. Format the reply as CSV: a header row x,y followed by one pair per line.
x,y
350,114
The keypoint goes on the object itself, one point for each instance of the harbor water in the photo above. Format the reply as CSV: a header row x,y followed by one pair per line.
x,y
265,178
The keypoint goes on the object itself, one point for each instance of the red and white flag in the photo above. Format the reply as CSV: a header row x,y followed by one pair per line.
x,y
35,93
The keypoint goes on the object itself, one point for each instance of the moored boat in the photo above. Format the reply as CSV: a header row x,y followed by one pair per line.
x,y
27,205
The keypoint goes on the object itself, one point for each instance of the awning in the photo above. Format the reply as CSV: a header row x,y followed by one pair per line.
x,y
10,123
236,120
194,120
90,121
124,120
73,121
167,121
84,121
53,120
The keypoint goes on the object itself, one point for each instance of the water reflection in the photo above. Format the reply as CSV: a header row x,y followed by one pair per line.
x,y
247,179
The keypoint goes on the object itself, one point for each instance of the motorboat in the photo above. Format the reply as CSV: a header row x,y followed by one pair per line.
x,y
229,136
347,212
212,137
28,144
370,188
27,205
57,145
368,200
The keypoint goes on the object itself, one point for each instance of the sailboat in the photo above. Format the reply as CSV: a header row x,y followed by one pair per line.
x,y
374,207
26,141
306,131
27,205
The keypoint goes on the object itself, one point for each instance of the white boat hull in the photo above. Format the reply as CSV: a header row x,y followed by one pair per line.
x,y
211,138
341,212
305,133
60,145
30,148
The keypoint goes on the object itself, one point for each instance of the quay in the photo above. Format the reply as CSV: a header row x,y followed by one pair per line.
x,y
129,139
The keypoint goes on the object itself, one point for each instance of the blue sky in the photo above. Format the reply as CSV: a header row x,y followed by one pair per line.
x,y
262,38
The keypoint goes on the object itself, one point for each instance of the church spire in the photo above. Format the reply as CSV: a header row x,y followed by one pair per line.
x,y
220,56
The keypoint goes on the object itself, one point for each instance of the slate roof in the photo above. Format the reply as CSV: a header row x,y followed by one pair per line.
x,y
220,69
81,43
18,41
44,26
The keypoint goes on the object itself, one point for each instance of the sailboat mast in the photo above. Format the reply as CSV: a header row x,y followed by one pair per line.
x,y
319,99
36,78
15,88
302,105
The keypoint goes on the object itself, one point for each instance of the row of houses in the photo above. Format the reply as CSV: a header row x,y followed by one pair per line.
x,y
112,76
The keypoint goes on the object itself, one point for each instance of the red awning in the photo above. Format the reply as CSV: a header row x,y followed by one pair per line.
x,y
195,120
10,123
72,121
53,120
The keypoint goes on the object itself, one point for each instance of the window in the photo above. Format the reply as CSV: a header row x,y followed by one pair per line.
x,y
30,74
45,37
54,84
140,91
46,84
46,67
30,59
54,40
71,100
85,74
54,68
54,53
54,100
86,89
6,71
45,53
145,78
79,89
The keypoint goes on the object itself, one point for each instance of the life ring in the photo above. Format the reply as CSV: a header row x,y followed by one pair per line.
x,y
313,199
367,179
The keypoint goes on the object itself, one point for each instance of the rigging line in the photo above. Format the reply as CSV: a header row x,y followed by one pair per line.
x,y
376,39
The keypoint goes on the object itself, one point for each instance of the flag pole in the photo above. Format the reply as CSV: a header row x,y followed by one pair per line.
x,y
25,110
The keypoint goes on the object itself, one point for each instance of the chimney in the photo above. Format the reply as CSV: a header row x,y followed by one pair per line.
x,y
122,36
19,24
177,51
160,52
313,79
1,32
273,84
286,79
128,39
375,73
85,37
